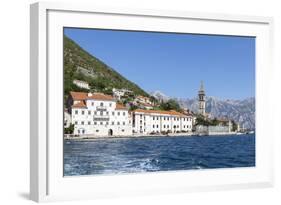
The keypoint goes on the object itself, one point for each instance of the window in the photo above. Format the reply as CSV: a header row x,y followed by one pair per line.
x,y
82,122
95,112
157,118
123,130
164,118
101,104
106,123
89,122
97,130
112,123
157,126
153,126
110,104
95,123
153,118
178,126
101,113
101,123
92,103
83,112
113,113
83,131
118,123
118,113
107,113
123,123
124,113
89,112
167,126
164,126
76,112
76,123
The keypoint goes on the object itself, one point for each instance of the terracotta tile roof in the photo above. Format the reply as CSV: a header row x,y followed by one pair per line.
x,y
95,96
163,112
120,107
81,104
146,104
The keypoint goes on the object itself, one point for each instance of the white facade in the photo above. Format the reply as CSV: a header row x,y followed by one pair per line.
x,y
119,93
153,121
143,100
67,119
81,84
99,115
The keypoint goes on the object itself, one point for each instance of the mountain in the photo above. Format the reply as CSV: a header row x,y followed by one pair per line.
x,y
80,65
160,96
242,111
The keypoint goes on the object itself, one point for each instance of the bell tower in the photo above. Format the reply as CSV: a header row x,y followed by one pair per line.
x,y
201,100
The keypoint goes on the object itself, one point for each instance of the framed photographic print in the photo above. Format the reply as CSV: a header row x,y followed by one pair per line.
x,y
128,101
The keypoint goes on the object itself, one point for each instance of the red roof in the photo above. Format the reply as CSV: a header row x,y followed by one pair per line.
x,y
94,96
120,107
81,104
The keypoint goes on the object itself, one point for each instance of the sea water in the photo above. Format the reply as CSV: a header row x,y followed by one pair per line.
x,y
151,154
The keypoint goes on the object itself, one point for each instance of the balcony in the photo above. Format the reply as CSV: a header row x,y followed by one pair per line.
x,y
101,108
101,118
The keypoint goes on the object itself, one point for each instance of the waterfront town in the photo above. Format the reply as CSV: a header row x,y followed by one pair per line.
x,y
100,115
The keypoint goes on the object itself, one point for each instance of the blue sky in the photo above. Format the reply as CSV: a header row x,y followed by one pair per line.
x,y
176,63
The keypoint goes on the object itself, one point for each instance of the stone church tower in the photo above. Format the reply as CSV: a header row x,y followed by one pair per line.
x,y
201,100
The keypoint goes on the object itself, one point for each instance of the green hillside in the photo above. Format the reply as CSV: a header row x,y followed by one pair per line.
x,y
80,65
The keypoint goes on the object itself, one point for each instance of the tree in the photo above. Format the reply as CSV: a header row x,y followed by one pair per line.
x,y
200,120
214,122
170,105
69,130
234,126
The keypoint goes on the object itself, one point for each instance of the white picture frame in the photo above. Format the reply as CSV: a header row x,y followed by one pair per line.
x,y
46,177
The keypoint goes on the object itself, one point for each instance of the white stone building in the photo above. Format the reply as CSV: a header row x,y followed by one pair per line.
x,y
143,100
97,114
81,84
119,93
145,106
158,121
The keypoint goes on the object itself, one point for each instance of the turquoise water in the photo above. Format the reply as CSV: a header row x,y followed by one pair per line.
x,y
151,154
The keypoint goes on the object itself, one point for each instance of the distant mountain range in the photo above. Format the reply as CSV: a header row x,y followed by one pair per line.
x,y
242,111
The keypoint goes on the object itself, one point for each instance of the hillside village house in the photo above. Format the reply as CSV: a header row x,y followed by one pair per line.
x,y
145,106
143,100
119,93
81,84
98,114
158,121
